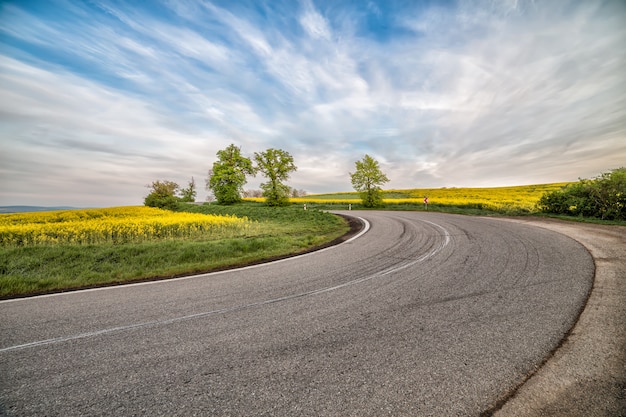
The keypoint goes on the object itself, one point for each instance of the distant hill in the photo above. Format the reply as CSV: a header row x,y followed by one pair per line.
x,y
24,209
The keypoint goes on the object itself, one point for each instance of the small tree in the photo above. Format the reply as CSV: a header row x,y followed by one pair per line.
x,y
163,195
276,165
367,180
188,195
228,175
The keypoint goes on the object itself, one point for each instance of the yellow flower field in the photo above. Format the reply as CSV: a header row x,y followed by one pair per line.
x,y
519,198
113,225
523,198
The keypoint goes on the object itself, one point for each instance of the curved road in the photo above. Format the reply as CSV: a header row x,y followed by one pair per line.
x,y
424,314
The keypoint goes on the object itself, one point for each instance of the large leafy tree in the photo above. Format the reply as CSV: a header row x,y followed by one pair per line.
x,y
275,165
228,175
367,180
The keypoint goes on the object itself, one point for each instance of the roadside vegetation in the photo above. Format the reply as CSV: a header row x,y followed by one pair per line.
x,y
603,197
257,233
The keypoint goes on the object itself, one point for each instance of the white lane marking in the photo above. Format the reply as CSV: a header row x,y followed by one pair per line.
x,y
361,233
155,323
366,227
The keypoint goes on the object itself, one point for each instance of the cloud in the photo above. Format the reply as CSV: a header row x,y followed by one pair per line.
x,y
105,98
527,87
314,23
65,130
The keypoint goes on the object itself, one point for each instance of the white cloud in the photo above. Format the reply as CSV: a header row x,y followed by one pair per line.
x,y
68,130
474,96
314,23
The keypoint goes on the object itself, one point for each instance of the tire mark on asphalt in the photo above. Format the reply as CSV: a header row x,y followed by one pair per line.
x,y
398,267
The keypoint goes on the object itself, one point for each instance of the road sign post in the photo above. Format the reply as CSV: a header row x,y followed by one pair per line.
x,y
426,202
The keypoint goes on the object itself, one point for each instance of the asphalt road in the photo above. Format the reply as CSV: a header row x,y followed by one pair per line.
x,y
424,314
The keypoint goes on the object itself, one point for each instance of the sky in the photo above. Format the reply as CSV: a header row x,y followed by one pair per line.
x,y
98,99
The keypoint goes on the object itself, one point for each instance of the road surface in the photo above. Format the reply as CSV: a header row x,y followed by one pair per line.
x,y
423,314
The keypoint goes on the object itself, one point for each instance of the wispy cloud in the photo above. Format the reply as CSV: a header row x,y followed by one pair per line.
x,y
99,99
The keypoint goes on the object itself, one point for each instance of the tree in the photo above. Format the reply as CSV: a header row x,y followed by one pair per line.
x,y
228,175
367,180
188,195
276,165
163,195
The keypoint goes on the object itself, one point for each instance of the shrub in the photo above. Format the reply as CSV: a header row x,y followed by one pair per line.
x,y
603,197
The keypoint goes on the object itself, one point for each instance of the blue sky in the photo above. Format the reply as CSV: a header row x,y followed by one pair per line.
x,y
99,98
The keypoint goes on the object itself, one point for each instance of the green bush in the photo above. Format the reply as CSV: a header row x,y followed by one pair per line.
x,y
168,202
603,197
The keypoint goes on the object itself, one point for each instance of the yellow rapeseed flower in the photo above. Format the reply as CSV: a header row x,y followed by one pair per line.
x,y
113,225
